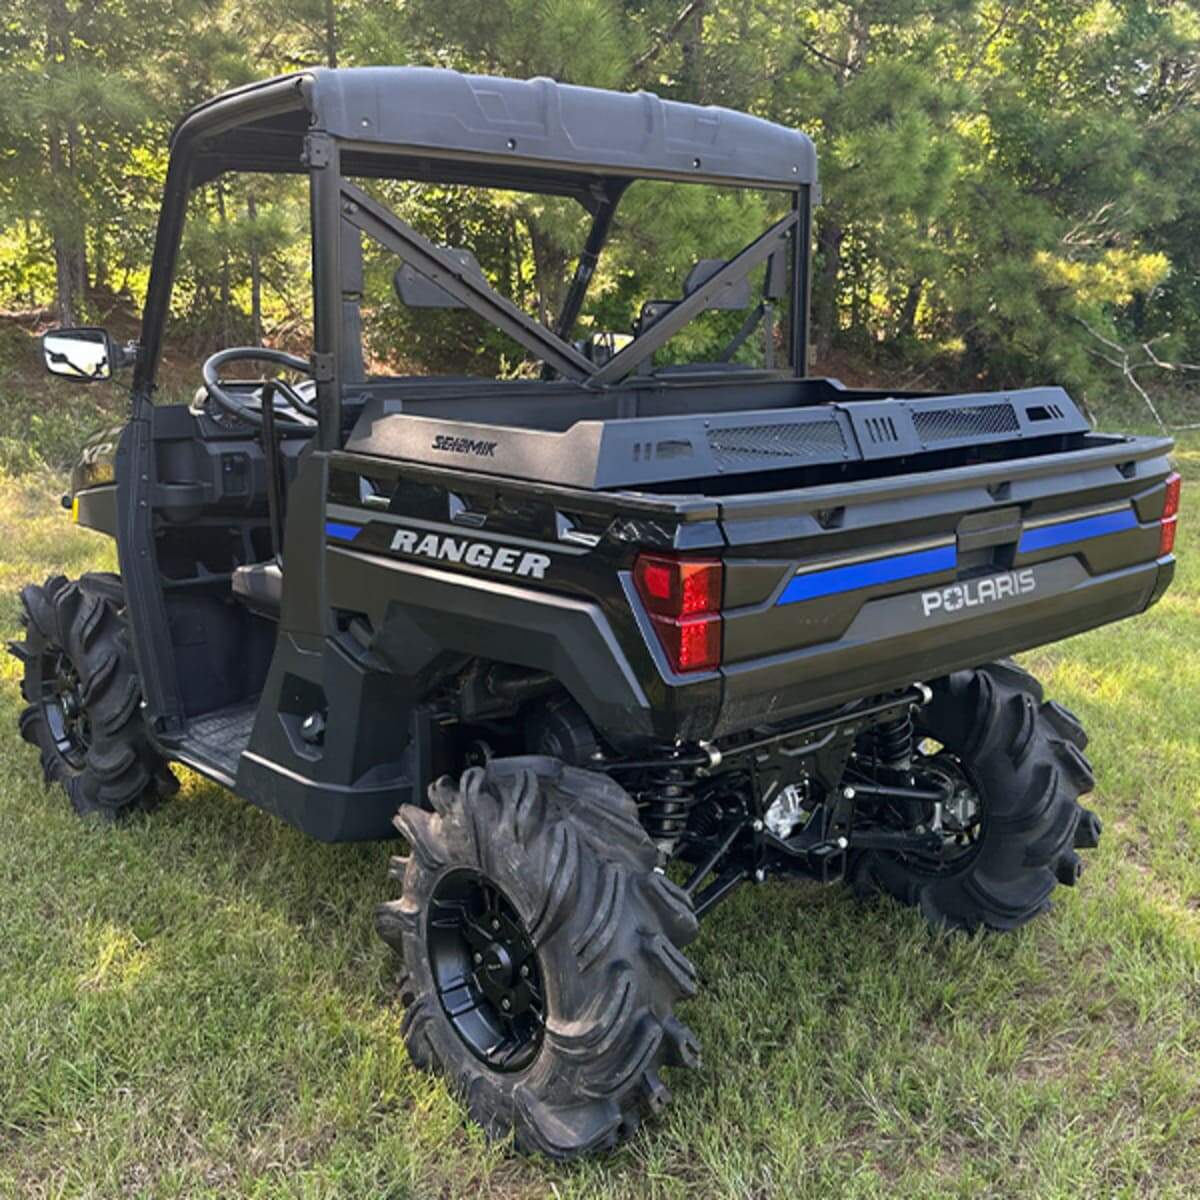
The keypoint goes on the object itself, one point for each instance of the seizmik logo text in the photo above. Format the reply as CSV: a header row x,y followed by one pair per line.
x,y
465,445
486,555
978,591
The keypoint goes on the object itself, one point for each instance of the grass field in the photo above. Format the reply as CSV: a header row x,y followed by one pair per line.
x,y
197,1005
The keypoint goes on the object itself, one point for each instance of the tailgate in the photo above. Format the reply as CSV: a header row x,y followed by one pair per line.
x,y
852,589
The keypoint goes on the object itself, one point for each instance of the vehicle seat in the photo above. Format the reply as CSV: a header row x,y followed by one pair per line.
x,y
259,586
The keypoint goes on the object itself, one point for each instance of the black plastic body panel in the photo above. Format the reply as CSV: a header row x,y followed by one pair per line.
x,y
574,621
891,643
989,594
347,784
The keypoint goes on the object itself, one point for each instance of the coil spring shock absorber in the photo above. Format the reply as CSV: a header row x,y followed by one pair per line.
x,y
893,742
665,806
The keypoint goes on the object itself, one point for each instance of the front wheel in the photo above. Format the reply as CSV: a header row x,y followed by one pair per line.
x,y
84,699
541,953
1017,767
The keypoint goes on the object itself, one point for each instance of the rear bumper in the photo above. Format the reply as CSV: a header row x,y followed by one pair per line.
x,y
893,642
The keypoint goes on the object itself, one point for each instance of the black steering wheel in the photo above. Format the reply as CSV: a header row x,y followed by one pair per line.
x,y
240,407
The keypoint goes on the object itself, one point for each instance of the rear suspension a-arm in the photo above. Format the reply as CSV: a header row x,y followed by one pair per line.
x,y
741,847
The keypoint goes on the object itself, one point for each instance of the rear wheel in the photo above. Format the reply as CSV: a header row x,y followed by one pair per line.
x,y
1014,768
541,953
84,701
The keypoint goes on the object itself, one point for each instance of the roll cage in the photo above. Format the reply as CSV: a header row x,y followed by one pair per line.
x,y
433,125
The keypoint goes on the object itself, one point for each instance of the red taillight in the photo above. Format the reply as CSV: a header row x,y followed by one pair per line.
x,y
691,645
1170,516
683,598
678,587
1171,502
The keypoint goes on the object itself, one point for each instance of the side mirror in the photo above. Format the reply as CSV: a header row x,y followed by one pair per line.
x,y
602,345
87,354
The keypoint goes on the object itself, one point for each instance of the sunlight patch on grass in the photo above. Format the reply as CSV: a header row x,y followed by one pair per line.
x,y
121,959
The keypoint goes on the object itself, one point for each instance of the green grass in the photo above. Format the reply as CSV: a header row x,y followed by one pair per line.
x,y
196,1005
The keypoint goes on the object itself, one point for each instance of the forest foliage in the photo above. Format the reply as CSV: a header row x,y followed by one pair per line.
x,y
1011,190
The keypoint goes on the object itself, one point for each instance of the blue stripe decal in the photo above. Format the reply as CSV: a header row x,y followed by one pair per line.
x,y
1065,532
867,574
346,533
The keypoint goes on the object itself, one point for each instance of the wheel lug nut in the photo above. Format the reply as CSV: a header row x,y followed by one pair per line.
x,y
495,923
525,970
478,958
506,1004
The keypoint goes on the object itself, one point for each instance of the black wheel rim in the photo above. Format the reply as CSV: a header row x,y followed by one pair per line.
x,y
61,701
486,970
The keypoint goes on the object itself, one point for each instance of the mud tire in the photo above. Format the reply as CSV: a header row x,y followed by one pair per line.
x,y
567,849
1026,757
118,772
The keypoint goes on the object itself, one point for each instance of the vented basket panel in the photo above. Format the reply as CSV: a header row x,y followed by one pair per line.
x,y
881,431
959,424
803,441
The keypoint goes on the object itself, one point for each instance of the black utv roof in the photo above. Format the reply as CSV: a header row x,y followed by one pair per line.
x,y
434,124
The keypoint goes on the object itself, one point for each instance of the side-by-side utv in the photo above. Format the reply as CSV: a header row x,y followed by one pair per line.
x,y
603,638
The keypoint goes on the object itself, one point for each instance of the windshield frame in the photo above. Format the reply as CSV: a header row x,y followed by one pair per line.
x,y
379,222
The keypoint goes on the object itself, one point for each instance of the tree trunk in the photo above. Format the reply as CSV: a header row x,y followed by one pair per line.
x,y
825,302
331,59
860,290
226,288
550,264
691,45
31,295
100,283
68,290
255,270
78,226
64,280
520,293
975,354
64,228
908,312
